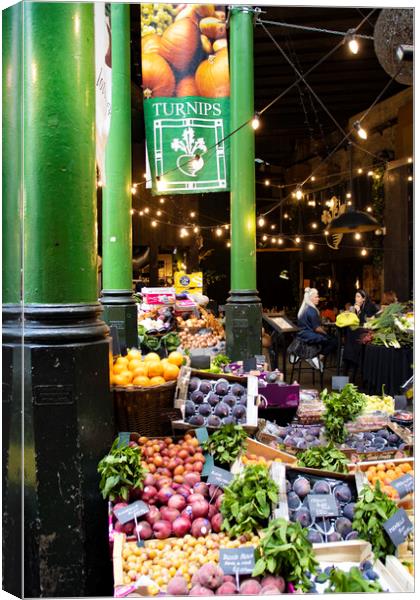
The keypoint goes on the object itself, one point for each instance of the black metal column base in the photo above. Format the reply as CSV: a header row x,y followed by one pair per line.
x,y
243,312
120,311
67,428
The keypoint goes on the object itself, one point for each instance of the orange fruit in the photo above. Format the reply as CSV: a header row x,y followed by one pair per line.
x,y
370,476
390,474
128,375
142,381
134,364
122,360
406,467
141,371
120,380
380,467
372,469
170,372
119,368
157,380
154,368
176,358
152,356
381,475
133,353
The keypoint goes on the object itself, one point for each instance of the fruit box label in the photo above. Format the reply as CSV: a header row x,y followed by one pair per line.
x,y
219,477
398,527
136,509
202,434
123,439
404,485
237,560
322,505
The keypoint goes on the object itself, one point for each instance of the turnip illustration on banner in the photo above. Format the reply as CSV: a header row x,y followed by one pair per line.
x,y
186,97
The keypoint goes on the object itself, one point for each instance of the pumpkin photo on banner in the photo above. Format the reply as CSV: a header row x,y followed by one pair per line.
x,y
186,96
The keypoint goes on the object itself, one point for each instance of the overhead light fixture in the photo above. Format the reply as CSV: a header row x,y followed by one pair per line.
x,y
362,133
352,220
284,274
261,221
405,52
255,123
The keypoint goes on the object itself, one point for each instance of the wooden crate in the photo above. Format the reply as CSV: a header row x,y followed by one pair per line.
x,y
360,469
352,553
400,573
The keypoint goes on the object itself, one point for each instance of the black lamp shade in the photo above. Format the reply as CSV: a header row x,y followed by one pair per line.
x,y
353,221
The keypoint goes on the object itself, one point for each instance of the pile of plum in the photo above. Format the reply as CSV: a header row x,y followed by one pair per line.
x,y
302,438
215,403
331,529
374,441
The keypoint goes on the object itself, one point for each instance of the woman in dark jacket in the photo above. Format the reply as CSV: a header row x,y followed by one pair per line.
x,y
364,308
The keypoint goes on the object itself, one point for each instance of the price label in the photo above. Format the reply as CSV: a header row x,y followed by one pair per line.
x,y
208,465
237,560
123,438
250,364
322,505
136,509
202,434
404,485
398,527
140,543
219,477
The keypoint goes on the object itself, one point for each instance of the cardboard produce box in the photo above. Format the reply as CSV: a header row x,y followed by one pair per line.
x,y
250,382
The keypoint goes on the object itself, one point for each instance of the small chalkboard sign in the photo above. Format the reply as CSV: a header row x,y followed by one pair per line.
x,y
398,527
219,477
136,509
208,465
201,434
322,505
404,485
250,364
123,439
239,561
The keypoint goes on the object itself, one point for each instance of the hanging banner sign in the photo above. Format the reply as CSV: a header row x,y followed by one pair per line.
x,y
103,82
186,97
189,282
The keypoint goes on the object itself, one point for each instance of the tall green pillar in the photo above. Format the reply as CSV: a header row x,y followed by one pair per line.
x,y
243,307
65,411
120,309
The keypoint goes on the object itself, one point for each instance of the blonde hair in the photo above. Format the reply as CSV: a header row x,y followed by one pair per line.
x,y
307,301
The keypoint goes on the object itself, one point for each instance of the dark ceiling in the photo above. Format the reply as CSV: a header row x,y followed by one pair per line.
x,y
296,127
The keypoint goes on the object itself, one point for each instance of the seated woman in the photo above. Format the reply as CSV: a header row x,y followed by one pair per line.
x,y
310,330
364,308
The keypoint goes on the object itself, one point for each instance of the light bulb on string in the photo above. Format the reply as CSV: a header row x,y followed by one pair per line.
x,y
154,223
228,244
99,183
272,226
255,123
132,211
410,178
348,195
362,133
299,193
264,238
349,203
357,236
352,42
280,241
147,210
226,226
219,231
192,214
183,233
141,213
267,182
297,240
363,252
311,247
368,209
273,240
145,175
360,171
313,178
314,225
370,174
162,200
261,221
196,229
285,216
410,160
133,190
326,233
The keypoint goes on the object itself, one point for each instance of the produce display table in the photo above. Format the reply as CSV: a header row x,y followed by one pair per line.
x,y
389,367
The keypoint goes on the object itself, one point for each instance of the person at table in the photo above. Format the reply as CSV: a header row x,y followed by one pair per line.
x,y
364,308
388,297
310,330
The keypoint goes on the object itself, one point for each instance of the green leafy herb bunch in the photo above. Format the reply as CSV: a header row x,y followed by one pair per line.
x,y
226,443
341,407
328,458
121,471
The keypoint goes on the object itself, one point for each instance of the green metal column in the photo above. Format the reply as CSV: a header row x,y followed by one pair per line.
x,y
64,416
59,154
12,153
243,308
119,305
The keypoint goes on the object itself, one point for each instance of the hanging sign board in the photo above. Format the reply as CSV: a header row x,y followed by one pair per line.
x,y
186,97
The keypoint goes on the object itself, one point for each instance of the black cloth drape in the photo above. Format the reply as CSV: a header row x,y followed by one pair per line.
x,y
386,366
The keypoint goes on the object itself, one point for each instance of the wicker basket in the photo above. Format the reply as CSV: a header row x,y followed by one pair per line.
x,y
148,410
